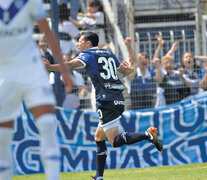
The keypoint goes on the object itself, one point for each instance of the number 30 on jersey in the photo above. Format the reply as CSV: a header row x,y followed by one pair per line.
x,y
109,66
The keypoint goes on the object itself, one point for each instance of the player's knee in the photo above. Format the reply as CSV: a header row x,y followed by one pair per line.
x,y
46,124
5,137
5,152
97,139
47,128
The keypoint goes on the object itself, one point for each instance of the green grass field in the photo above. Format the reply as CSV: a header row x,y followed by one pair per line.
x,y
184,172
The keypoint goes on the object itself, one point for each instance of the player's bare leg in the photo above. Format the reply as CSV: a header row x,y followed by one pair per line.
x,y
99,134
111,134
6,134
119,139
116,139
50,152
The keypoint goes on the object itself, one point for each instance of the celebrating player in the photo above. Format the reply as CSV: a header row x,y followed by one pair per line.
x,y
102,66
23,77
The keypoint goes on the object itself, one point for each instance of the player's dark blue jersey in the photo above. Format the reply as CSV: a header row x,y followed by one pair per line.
x,y
101,66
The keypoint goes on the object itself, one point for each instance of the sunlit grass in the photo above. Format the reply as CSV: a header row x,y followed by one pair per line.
x,y
184,172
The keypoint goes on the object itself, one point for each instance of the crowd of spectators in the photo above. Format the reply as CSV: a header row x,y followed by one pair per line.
x,y
72,100
162,80
156,82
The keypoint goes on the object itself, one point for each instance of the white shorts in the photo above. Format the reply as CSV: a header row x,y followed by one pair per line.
x,y
28,83
111,124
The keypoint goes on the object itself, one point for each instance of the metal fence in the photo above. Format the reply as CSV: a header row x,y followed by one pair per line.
x,y
183,20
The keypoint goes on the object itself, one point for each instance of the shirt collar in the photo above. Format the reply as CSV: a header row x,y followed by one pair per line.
x,y
96,47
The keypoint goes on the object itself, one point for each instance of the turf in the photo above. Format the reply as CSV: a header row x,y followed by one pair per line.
x,y
184,172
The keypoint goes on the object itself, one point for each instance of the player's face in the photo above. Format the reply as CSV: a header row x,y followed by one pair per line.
x,y
82,44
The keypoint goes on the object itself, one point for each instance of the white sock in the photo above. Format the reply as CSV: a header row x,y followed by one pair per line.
x,y
50,152
6,135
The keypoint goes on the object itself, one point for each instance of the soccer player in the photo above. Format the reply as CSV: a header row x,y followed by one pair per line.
x,y
23,78
102,66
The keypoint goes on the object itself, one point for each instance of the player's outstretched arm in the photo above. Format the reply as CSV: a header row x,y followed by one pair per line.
x,y
53,43
69,64
126,68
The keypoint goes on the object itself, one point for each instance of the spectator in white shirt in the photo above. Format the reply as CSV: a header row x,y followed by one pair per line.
x,y
68,32
93,20
192,72
72,100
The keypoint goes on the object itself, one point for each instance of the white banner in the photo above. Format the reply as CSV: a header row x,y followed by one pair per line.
x,y
182,128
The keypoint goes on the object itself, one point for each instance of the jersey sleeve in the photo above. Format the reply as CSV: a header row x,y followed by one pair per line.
x,y
84,58
37,9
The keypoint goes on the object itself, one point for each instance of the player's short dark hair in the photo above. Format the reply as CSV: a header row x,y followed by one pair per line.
x,y
92,37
